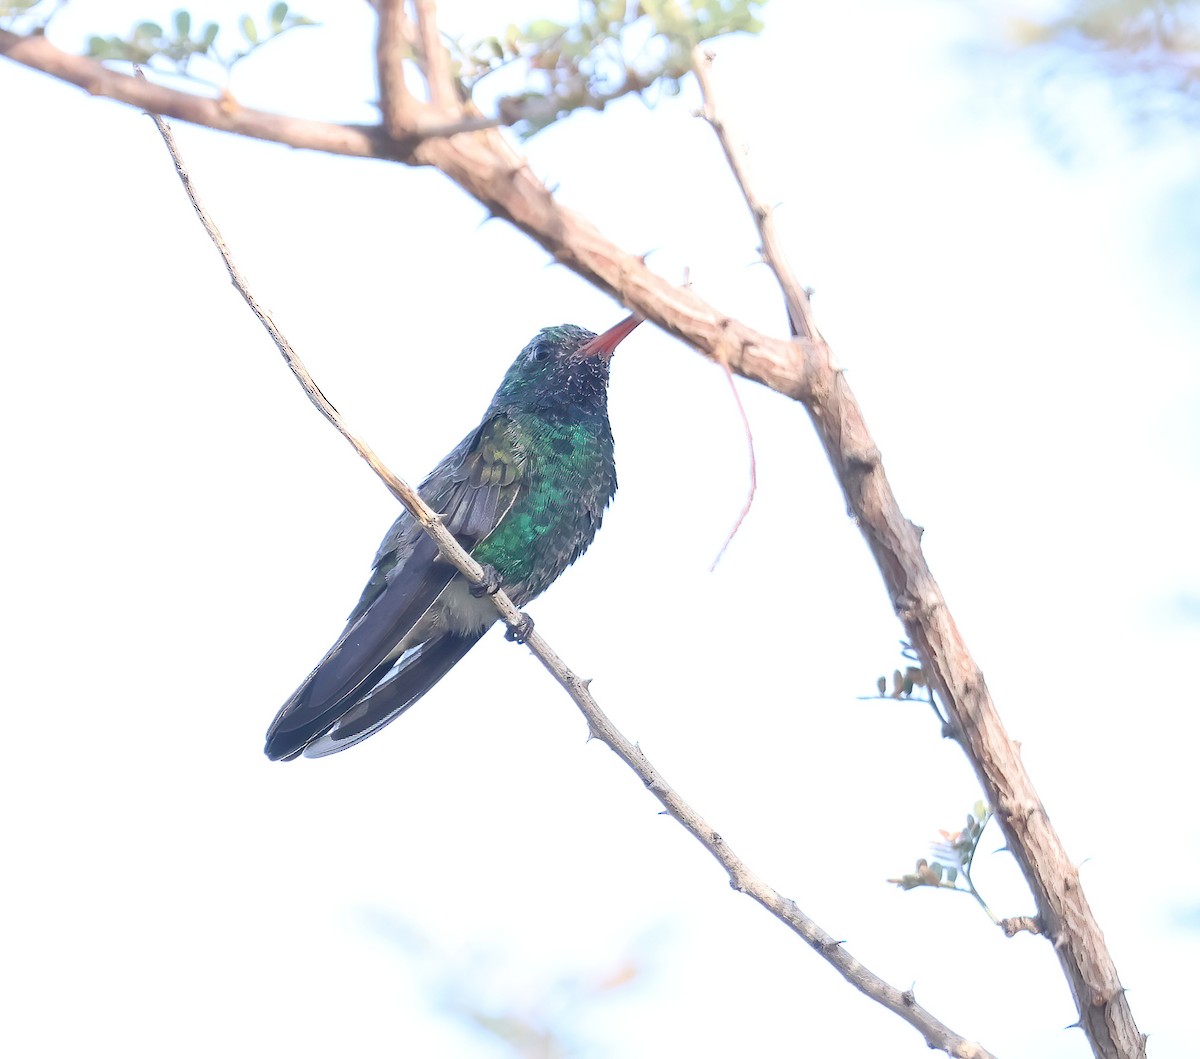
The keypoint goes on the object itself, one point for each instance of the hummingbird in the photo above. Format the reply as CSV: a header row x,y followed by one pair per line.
x,y
524,493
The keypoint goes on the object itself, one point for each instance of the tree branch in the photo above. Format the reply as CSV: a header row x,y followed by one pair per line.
x,y
1064,914
225,113
436,61
391,45
483,165
487,167
794,295
936,1034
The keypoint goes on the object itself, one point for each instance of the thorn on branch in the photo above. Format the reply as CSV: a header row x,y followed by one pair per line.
x,y
795,297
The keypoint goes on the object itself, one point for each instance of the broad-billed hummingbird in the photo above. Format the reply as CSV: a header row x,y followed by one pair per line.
x,y
524,493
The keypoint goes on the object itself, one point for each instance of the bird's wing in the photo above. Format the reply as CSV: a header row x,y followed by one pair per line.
x,y
473,488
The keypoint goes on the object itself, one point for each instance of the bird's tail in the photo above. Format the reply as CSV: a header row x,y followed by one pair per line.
x,y
413,674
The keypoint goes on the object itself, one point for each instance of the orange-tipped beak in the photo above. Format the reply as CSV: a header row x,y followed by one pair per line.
x,y
605,345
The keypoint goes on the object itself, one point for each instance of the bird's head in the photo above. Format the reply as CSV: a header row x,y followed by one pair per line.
x,y
563,367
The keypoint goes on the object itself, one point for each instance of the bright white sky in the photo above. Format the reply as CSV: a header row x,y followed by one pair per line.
x,y
185,536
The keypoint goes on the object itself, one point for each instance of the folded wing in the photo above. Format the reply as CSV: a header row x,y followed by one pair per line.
x,y
399,641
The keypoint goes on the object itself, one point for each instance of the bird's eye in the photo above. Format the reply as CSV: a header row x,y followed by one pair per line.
x,y
542,350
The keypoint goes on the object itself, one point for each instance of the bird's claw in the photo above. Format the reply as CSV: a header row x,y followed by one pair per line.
x,y
520,633
490,585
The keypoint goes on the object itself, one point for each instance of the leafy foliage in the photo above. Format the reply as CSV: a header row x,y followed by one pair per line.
x,y
1152,29
614,49
954,853
149,42
909,685
26,16
1150,48
904,685
12,8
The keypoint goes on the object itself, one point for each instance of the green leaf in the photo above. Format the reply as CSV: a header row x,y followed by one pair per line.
x,y
183,24
209,36
147,29
12,8
578,64
543,29
99,48
249,29
277,17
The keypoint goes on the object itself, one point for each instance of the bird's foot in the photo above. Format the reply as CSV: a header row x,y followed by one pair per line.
x,y
520,633
491,583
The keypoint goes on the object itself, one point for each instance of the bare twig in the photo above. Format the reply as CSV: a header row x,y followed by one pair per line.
x,y
391,45
798,305
1065,915
1015,924
575,95
737,397
225,114
600,727
905,698
436,60
400,489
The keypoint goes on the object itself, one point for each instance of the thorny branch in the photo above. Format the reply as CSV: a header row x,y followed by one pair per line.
x,y
599,726
796,298
487,167
1065,916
